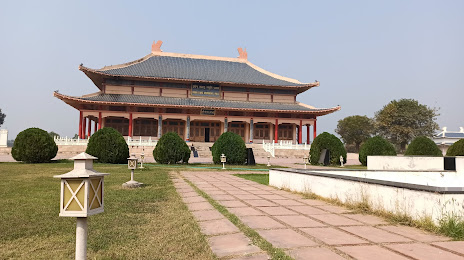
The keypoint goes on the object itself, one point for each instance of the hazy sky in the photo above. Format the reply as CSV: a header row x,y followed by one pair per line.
x,y
364,53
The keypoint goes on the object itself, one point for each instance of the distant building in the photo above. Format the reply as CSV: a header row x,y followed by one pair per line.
x,y
446,138
198,97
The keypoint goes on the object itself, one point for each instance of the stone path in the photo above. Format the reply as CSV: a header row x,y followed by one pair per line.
x,y
304,228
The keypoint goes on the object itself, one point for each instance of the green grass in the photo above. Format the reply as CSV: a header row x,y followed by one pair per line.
x,y
215,167
147,223
259,178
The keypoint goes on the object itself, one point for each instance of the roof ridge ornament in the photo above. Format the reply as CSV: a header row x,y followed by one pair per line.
x,y
156,46
242,54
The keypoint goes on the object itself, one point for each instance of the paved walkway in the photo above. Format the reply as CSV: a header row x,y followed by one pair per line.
x,y
304,228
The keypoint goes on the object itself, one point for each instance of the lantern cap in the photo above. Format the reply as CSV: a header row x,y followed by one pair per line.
x,y
83,156
132,157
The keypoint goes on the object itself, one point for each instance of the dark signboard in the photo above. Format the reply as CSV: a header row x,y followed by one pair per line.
x,y
207,112
205,90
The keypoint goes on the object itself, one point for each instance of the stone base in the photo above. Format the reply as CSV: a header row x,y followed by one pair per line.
x,y
132,184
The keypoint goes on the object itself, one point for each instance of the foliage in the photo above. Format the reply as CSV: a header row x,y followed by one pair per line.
x,y
2,117
402,120
34,145
171,149
76,136
423,146
108,145
375,146
456,149
331,143
355,129
53,134
232,146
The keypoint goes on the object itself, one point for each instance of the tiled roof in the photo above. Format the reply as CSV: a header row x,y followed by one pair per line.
x,y
198,69
200,103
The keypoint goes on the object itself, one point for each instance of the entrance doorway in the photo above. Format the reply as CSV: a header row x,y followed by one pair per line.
x,y
207,134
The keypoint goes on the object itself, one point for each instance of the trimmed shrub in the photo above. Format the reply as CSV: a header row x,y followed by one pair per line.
x,y
375,146
108,145
232,146
171,149
331,143
423,146
457,149
34,145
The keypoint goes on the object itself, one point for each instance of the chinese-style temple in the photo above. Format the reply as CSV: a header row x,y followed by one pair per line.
x,y
197,96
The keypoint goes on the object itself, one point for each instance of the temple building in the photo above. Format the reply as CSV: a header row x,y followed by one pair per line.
x,y
198,97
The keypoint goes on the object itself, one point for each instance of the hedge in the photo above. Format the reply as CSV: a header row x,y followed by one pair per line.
x,y
232,146
331,143
109,146
34,145
171,149
456,149
423,146
375,146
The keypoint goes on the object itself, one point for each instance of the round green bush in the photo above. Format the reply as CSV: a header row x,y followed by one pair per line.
x,y
171,149
423,146
34,145
109,146
331,143
456,149
375,146
232,146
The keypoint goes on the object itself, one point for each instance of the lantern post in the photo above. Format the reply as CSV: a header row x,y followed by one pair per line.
x,y
223,160
306,160
132,165
81,196
142,156
341,161
268,161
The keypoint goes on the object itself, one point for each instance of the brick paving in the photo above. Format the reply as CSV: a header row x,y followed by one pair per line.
x,y
303,228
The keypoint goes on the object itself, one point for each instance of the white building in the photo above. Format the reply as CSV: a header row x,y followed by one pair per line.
x,y
446,138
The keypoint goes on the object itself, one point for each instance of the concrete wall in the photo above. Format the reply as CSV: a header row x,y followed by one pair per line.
x,y
414,203
405,163
3,138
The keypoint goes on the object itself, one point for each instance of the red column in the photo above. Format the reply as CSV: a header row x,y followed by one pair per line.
x,y
89,128
99,120
84,121
300,131
80,125
276,131
95,126
307,134
314,130
130,124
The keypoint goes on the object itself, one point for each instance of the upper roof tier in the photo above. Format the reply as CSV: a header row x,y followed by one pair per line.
x,y
160,65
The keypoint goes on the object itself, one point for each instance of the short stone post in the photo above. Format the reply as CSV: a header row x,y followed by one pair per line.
x,y
341,161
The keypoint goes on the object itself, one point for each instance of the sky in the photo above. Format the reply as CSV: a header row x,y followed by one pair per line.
x,y
364,53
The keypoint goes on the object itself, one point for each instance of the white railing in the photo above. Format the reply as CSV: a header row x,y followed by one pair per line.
x,y
141,142
272,146
69,141
130,141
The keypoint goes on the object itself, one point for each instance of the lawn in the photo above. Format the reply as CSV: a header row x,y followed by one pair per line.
x,y
259,178
147,223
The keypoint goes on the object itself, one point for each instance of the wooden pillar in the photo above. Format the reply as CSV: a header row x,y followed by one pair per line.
x,y
130,124
160,125
226,124
251,130
95,123
89,128
99,120
300,131
307,134
84,121
276,131
80,125
314,130
187,134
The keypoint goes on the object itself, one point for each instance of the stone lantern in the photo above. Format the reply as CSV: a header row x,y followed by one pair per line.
x,y
305,160
81,196
268,161
223,160
132,165
142,156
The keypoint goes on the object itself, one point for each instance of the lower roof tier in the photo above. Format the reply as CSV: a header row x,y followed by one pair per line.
x,y
157,101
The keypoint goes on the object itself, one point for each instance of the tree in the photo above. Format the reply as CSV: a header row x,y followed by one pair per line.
x,y
402,120
2,117
53,134
355,129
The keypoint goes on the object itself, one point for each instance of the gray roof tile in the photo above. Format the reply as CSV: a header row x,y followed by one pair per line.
x,y
198,102
197,69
